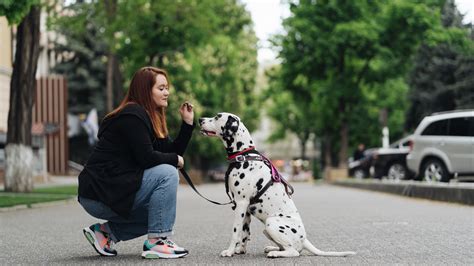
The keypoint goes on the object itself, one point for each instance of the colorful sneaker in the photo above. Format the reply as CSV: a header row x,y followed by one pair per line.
x,y
100,240
162,248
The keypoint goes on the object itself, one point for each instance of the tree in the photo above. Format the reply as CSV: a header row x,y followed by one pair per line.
x,y
207,47
18,151
441,78
336,52
81,55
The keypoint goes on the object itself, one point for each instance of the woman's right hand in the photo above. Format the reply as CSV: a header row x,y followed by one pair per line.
x,y
180,162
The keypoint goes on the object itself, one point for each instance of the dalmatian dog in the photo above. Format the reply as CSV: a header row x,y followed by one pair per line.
x,y
246,179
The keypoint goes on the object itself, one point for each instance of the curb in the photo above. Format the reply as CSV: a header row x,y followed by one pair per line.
x,y
441,192
37,205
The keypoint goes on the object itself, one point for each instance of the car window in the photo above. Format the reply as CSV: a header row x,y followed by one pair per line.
x,y
438,128
459,126
471,126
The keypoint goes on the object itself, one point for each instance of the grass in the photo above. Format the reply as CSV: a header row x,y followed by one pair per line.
x,y
47,194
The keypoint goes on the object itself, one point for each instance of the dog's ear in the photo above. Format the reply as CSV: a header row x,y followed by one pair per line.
x,y
231,126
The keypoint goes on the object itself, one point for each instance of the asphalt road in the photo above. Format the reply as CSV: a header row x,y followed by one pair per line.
x,y
381,228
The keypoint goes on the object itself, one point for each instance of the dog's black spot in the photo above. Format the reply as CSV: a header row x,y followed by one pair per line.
x,y
251,142
242,215
239,144
238,165
233,207
236,183
287,226
281,215
293,230
288,216
281,231
252,209
235,229
219,115
301,236
244,196
259,184
282,228
246,164
238,192
245,239
260,211
242,175
232,193
245,227
251,169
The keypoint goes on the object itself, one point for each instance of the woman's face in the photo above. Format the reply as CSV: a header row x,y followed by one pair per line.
x,y
160,91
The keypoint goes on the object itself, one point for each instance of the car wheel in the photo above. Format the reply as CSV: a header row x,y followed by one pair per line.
x,y
359,174
434,171
397,171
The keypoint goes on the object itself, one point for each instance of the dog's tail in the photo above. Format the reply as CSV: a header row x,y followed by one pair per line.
x,y
307,245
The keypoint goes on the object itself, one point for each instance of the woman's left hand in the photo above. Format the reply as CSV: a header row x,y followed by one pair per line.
x,y
187,113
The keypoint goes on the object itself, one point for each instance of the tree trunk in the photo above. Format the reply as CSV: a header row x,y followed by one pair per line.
x,y
110,82
303,140
344,130
114,92
18,152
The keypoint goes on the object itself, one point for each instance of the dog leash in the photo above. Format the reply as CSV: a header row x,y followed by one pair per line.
x,y
188,179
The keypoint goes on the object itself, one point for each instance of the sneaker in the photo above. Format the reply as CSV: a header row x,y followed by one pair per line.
x,y
100,240
162,248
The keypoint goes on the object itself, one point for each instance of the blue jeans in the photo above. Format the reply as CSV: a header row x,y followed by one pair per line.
x,y
153,211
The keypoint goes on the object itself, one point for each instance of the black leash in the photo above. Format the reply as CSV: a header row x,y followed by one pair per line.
x,y
188,179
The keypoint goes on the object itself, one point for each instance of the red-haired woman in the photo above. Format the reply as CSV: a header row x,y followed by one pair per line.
x,y
131,177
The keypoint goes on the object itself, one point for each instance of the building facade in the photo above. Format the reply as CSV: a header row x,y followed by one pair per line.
x,y
6,56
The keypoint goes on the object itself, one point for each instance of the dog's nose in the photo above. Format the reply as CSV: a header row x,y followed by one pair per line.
x,y
201,120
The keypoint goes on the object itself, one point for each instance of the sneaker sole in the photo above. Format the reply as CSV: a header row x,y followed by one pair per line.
x,y
157,255
89,234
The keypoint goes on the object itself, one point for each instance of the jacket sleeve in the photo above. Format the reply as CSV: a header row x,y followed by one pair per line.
x,y
137,138
179,144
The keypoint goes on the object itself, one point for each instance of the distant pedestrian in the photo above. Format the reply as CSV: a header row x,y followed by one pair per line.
x,y
359,152
131,177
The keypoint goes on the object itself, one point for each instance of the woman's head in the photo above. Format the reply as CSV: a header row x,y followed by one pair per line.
x,y
149,88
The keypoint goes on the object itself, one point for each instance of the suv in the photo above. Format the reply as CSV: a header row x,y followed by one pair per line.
x,y
442,146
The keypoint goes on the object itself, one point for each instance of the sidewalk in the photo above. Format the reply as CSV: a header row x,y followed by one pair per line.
x,y
462,193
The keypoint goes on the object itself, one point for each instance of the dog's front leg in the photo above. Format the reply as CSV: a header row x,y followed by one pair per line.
x,y
239,226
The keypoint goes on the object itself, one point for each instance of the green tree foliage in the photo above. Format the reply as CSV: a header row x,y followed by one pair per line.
x,y
207,47
81,54
15,10
441,78
348,60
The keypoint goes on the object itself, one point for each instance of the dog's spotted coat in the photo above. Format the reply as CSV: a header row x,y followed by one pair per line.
x,y
283,224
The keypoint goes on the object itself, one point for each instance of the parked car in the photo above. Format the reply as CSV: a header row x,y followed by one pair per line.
x,y
443,146
391,162
361,168
383,162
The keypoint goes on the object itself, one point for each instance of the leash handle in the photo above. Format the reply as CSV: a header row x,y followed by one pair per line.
x,y
188,179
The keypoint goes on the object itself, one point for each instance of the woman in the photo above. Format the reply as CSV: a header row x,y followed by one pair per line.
x,y
131,177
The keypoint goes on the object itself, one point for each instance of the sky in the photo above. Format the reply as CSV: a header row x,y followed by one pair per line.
x,y
267,17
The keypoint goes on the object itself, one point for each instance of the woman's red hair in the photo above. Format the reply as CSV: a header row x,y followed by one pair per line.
x,y
140,92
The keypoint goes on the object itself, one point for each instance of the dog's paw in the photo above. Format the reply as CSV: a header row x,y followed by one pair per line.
x,y
227,253
240,250
270,248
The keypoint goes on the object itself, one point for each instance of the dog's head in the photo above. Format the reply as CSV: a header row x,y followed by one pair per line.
x,y
229,128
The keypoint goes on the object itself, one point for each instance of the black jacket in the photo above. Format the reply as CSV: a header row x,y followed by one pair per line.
x,y
127,146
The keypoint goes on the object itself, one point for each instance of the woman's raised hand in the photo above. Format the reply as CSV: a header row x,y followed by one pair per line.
x,y
187,113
